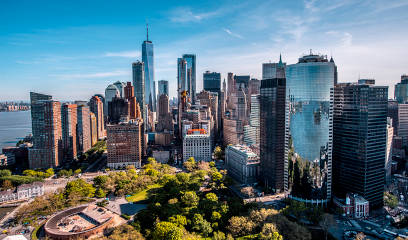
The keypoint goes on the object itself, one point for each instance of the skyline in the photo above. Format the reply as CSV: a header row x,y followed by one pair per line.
x,y
59,51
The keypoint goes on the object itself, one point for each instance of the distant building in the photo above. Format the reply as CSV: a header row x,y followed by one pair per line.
x,y
139,87
403,122
353,205
360,141
118,109
148,60
273,70
96,107
197,144
165,120
191,69
233,131
388,152
69,131
83,128
7,160
94,128
212,81
22,192
47,132
110,93
401,90
252,131
242,164
124,144
121,88
163,87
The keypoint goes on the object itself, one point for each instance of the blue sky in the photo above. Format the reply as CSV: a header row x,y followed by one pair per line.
x,y
74,49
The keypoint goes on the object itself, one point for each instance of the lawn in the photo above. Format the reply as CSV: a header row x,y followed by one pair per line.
x,y
142,195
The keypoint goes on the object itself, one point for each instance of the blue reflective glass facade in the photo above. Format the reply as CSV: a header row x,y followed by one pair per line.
x,y
309,115
147,58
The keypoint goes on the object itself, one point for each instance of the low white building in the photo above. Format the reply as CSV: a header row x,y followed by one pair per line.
x,y
242,163
197,144
22,192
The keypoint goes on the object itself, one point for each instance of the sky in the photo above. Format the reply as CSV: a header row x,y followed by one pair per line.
x,y
74,49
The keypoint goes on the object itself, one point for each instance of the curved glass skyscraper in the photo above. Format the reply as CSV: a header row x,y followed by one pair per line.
x,y
309,95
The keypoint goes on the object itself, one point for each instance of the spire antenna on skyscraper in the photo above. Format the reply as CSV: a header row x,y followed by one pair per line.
x,y
147,31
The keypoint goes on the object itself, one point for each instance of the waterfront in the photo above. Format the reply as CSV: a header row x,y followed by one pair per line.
x,y
13,127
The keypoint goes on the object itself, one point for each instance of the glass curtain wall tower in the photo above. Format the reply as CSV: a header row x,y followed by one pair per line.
x,y
148,60
309,114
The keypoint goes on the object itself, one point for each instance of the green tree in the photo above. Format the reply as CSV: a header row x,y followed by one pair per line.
x,y
190,164
124,232
240,226
100,193
270,232
218,153
215,216
49,172
5,173
78,171
200,225
218,236
79,187
167,230
190,199
390,200
179,220
7,184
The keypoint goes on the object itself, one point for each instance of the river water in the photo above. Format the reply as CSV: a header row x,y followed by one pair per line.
x,y
13,127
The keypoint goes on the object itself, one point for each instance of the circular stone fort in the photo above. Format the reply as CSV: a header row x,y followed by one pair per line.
x,y
79,222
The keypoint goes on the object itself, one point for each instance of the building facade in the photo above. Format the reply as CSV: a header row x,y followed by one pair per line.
x,y
309,119
272,122
47,132
191,70
212,81
148,60
242,164
197,144
163,88
359,147
96,107
83,128
124,144
401,90
69,131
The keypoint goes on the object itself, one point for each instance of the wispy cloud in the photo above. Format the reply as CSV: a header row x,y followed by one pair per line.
x,y
125,54
345,37
232,33
185,14
115,73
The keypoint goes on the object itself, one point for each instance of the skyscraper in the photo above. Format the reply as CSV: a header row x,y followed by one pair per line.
x,y
163,87
94,128
69,131
47,133
121,88
212,81
139,86
251,131
191,69
401,90
148,60
111,92
274,70
309,95
118,109
359,142
272,121
96,106
83,128
182,84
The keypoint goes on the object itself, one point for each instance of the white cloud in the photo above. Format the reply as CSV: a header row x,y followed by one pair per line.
x,y
92,75
125,54
232,34
184,14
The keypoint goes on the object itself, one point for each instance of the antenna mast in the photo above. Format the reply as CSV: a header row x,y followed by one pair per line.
x,y
147,31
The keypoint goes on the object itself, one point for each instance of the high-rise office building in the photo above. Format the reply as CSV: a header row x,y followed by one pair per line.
x,y
93,123
69,131
309,95
129,96
96,106
401,90
111,92
182,78
47,133
359,142
124,144
251,131
163,87
148,60
388,152
272,122
403,122
274,70
212,81
191,70
121,88
118,109
197,144
139,86
83,128
165,120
